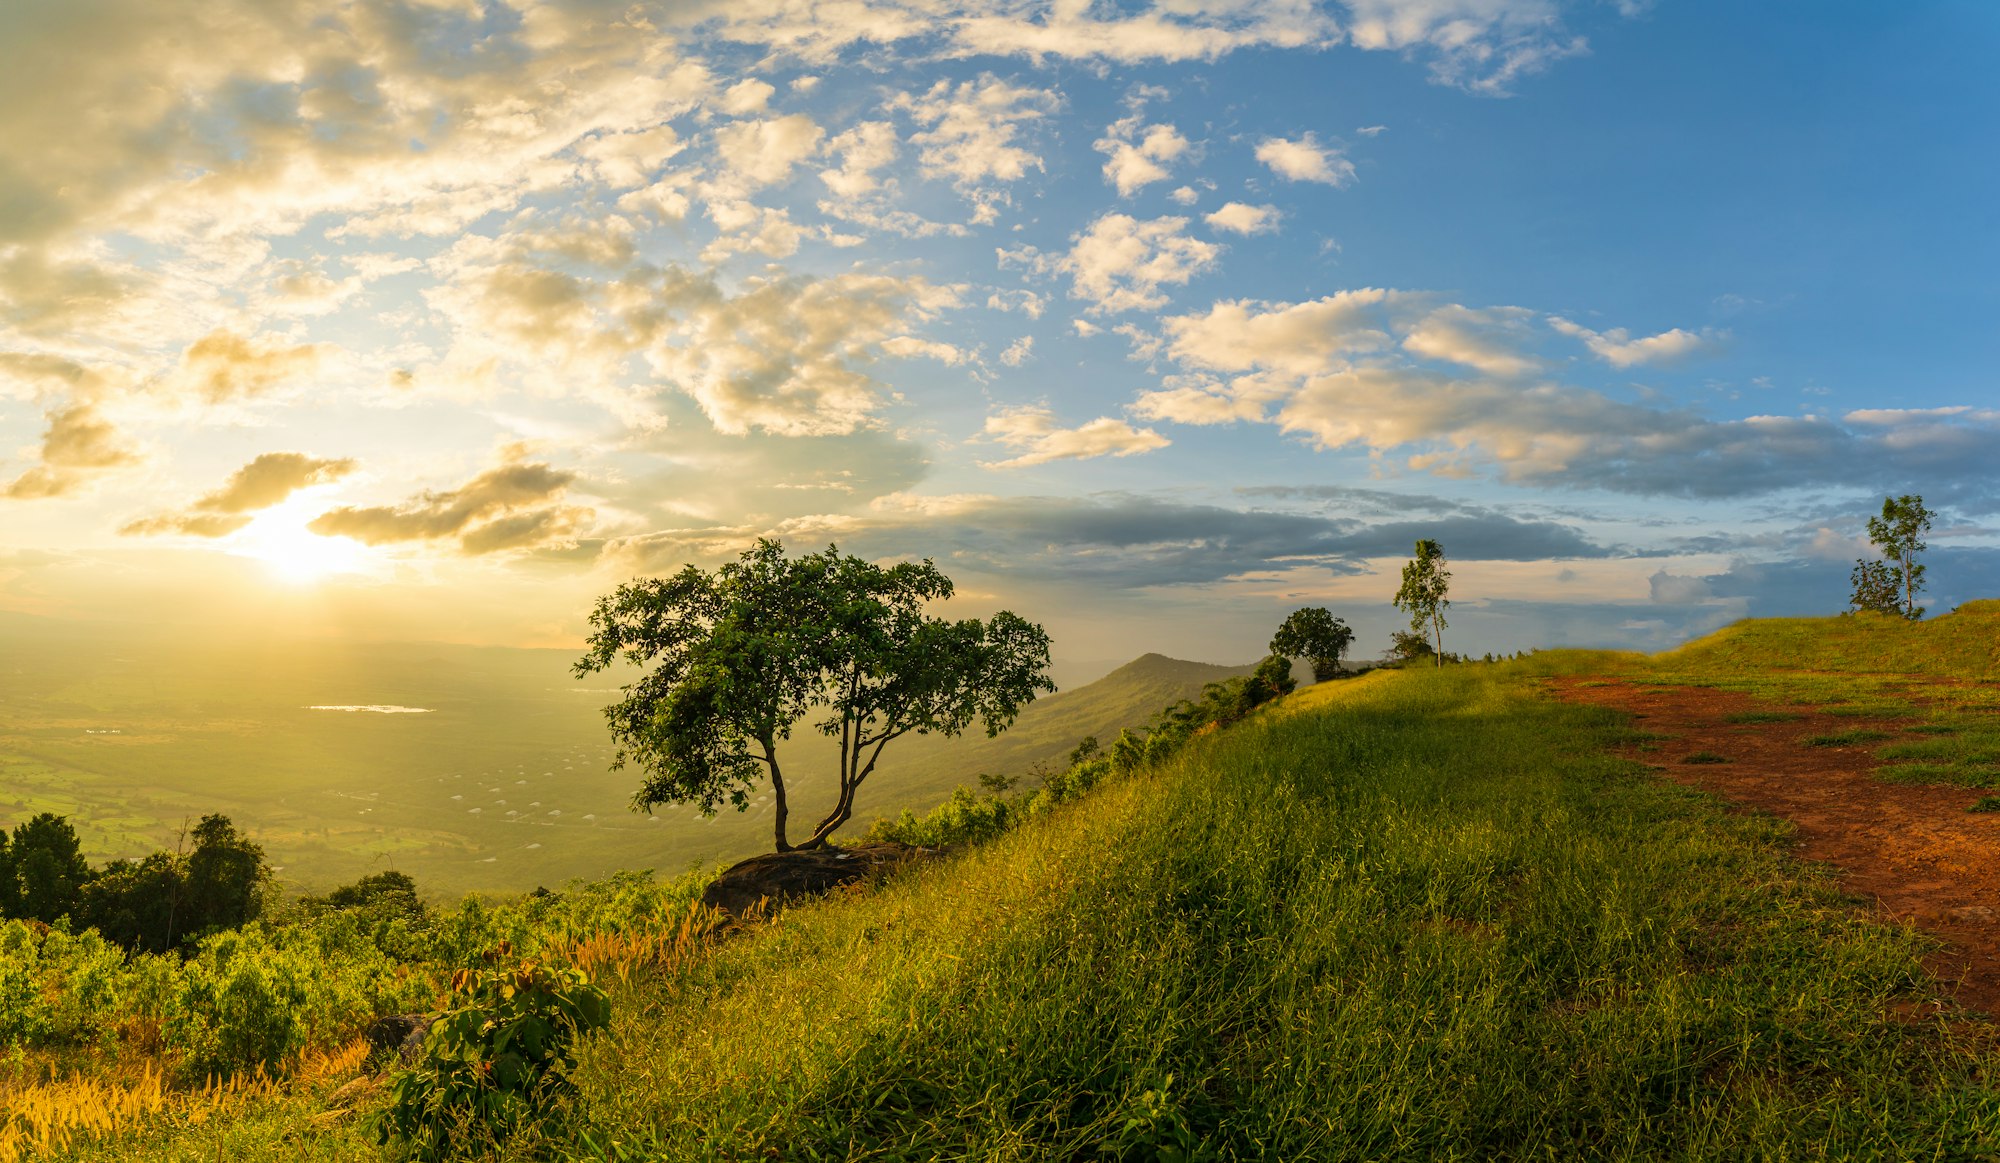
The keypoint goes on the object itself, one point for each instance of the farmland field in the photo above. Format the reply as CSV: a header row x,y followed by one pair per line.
x,y
474,769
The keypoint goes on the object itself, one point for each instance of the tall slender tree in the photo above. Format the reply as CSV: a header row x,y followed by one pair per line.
x,y
1426,582
1890,585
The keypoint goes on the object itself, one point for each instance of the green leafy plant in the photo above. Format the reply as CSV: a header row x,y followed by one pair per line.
x,y
494,1061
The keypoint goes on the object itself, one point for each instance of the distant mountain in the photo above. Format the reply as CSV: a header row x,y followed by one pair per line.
x,y
918,771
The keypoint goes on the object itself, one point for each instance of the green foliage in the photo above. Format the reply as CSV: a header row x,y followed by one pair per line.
x,y
47,868
494,1062
1890,585
1423,595
740,656
1314,633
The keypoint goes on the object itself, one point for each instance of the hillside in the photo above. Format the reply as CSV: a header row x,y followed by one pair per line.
x,y
1275,946
498,782
924,769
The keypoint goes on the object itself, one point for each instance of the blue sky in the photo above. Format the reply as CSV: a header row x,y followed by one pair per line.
x,y
434,318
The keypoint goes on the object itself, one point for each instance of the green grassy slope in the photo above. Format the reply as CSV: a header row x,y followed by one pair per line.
x,y
1422,916
1961,644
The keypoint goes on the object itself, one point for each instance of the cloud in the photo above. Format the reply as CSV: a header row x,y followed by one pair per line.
x,y
264,482
1183,30
746,96
1017,352
225,366
1488,340
1119,263
1132,542
1342,372
506,507
1305,160
77,444
1138,155
784,354
762,153
1242,218
1033,432
974,129
863,149
1617,347
1482,46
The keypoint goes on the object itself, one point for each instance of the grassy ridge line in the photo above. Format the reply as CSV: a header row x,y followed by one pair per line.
x,y
1421,916
1962,644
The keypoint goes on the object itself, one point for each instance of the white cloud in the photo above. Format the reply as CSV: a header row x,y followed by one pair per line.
x,y
763,152
1120,263
745,97
1489,340
1017,352
863,149
1243,218
1305,160
1617,347
1479,45
1181,30
1138,154
1033,432
1185,195
974,129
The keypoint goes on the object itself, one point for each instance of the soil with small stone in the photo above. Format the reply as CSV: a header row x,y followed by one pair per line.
x,y
1913,850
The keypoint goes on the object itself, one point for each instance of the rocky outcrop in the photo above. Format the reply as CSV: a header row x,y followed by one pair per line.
x,y
399,1036
778,877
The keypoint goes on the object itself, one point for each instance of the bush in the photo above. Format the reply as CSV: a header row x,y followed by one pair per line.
x,y
493,1064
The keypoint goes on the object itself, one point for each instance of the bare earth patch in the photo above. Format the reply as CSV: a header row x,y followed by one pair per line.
x,y
1914,850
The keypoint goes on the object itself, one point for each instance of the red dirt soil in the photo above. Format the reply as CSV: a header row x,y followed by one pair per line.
x,y
1913,850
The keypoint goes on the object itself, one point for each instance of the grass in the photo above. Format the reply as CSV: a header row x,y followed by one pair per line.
x,y
1421,916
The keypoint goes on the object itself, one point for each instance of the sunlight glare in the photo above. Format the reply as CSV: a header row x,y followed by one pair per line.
x,y
279,538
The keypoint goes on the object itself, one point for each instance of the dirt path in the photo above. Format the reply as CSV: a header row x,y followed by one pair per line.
x,y
1915,851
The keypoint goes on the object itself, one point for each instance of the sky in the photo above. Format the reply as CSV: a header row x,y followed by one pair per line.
x,y
435,319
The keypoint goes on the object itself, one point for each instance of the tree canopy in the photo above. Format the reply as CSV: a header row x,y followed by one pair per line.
x,y
1313,633
1890,585
1426,582
739,656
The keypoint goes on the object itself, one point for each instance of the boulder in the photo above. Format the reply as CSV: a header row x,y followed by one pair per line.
x,y
400,1035
778,877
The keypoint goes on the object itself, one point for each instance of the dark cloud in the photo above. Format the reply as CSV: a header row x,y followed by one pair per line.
x,y
263,482
501,508
271,478
1137,542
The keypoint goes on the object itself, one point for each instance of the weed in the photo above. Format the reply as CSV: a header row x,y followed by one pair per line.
x,y
1704,757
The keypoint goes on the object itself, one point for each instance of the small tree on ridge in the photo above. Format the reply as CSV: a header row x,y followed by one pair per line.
x,y
1890,585
1313,633
1425,583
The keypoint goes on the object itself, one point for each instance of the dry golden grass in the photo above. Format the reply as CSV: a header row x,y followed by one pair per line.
x,y
45,1116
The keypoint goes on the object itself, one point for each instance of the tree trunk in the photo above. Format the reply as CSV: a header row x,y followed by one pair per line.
x,y
1437,632
778,808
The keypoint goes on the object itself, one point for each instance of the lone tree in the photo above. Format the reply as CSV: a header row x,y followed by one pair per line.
x,y
1425,583
1314,633
1890,585
739,656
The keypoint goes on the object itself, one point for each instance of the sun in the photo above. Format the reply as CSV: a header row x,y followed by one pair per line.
x,y
278,537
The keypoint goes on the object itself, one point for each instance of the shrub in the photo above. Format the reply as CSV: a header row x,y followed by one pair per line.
x,y
494,1062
